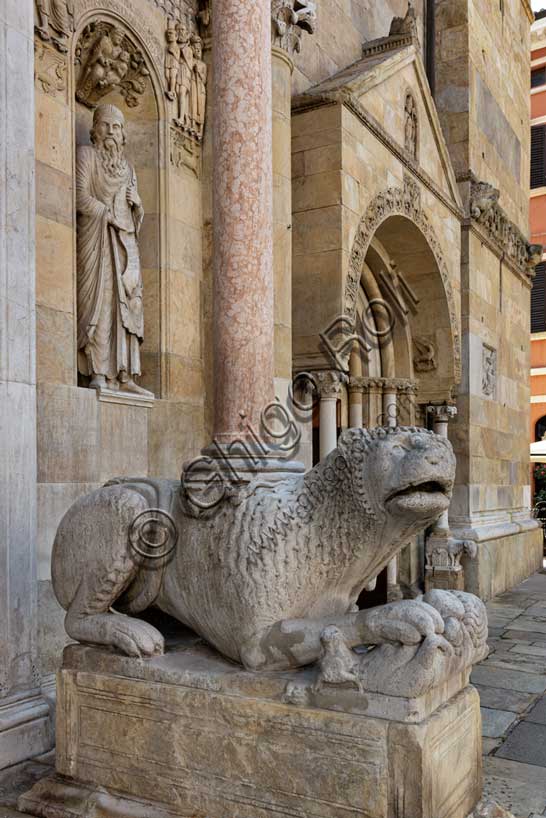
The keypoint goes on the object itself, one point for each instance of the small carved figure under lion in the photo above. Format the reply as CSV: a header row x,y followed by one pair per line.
x,y
271,576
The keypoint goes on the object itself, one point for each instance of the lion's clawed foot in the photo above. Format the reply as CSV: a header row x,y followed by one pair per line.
x,y
130,636
408,622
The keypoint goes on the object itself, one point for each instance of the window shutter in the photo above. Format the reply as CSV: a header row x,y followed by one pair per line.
x,y
538,156
538,77
538,301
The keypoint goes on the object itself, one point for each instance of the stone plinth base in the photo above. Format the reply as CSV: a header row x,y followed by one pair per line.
x,y
503,562
189,734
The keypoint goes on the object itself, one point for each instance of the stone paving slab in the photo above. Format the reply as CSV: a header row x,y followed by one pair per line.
x,y
526,743
538,713
500,698
527,636
496,722
519,788
516,662
529,624
509,679
530,650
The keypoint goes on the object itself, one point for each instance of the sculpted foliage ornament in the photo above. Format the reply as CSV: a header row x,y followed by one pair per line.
x,y
109,61
265,574
289,19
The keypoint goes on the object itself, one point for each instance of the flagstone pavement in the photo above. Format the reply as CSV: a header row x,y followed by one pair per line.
x,y
512,687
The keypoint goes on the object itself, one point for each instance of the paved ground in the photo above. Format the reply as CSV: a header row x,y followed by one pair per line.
x,y
512,686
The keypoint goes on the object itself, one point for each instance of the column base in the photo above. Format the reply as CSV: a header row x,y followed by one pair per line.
x,y
190,734
25,728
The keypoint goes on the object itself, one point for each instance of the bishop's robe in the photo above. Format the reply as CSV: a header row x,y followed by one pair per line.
x,y
110,314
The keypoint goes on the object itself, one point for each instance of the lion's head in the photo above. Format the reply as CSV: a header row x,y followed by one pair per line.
x,y
405,471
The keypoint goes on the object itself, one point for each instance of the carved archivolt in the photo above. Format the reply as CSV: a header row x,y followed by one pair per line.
x,y
400,201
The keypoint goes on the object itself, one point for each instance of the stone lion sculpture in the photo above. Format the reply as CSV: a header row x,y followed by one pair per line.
x,y
261,576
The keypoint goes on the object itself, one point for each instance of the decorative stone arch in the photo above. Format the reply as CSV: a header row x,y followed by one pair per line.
x,y
400,201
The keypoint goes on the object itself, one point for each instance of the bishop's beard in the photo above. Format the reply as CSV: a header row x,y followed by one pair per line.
x,y
111,158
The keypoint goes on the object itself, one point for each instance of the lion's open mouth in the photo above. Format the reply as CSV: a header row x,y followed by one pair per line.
x,y
429,496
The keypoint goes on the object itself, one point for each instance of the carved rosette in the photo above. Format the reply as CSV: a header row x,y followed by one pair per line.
x,y
289,19
109,61
500,230
399,201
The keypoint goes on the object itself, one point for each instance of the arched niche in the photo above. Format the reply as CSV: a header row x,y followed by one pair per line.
x,y
138,94
396,253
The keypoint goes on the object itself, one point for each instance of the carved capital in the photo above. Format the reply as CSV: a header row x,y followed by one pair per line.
x,y
289,19
443,552
358,384
329,383
442,413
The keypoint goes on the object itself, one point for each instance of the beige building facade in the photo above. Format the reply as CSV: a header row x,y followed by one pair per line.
x,y
401,273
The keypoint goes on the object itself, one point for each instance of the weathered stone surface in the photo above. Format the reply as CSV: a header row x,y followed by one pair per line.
x,y
226,736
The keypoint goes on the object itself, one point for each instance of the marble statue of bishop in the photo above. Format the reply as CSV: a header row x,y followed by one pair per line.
x,y
110,213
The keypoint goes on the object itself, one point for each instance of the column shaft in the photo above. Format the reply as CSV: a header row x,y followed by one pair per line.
x,y
24,722
242,213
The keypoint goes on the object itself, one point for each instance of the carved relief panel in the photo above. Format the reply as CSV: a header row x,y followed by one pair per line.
x,y
109,61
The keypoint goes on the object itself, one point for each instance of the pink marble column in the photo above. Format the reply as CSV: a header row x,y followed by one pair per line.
x,y
242,214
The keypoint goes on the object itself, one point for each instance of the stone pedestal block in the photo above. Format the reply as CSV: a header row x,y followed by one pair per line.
x,y
190,734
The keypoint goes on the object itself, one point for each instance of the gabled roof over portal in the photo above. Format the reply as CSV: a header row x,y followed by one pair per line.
x,y
377,85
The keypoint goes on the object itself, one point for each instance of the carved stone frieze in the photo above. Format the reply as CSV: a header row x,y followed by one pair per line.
x,y
289,19
402,386
54,22
109,61
500,230
424,355
50,70
404,201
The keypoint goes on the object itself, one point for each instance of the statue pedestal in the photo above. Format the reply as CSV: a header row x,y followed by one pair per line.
x,y
191,734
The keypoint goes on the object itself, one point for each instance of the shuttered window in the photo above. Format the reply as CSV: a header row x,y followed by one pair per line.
x,y
538,302
538,77
538,156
